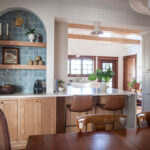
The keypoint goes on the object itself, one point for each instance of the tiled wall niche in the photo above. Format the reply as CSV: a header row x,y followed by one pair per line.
x,y
23,79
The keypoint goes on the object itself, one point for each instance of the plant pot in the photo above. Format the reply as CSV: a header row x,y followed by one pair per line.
x,y
103,86
136,86
31,37
61,89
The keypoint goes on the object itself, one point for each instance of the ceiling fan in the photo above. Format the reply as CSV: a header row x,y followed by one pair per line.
x,y
96,31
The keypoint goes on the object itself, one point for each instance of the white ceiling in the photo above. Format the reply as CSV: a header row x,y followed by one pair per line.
x,y
106,4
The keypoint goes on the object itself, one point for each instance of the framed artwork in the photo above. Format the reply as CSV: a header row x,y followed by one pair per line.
x,y
10,55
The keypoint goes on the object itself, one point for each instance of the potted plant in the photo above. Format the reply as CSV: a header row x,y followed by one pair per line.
x,y
103,76
134,84
60,85
31,34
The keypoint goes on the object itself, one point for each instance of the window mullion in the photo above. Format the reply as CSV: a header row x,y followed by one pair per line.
x,y
81,66
69,66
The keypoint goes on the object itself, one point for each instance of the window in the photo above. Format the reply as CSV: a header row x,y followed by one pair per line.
x,y
104,63
82,66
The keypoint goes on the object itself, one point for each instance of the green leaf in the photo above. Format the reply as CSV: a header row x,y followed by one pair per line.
x,y
30,31
102,75
92,77
60,83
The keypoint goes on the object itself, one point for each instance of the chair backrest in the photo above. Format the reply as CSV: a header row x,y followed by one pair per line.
x,y
4,134
143,119
81,103
103,121
115,102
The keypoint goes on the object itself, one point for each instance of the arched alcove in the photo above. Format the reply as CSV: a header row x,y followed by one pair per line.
x,y
23,79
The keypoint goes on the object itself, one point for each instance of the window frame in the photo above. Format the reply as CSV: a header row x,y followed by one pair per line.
x,y
114,60
81,57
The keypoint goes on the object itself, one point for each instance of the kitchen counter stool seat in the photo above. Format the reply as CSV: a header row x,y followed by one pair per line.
x,y
113,103
79,104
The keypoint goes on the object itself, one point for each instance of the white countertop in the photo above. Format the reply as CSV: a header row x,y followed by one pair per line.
x,y
71,91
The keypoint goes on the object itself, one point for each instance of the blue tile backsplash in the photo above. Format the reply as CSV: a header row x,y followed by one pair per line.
x,y
23,79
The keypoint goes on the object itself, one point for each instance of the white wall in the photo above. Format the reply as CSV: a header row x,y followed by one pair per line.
x,y
47,10
146,72
61,51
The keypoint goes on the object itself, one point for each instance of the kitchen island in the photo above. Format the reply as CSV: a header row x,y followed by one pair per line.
x,y
29,114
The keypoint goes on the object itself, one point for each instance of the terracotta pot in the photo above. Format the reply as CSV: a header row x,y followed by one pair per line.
x,y
136,86
7,89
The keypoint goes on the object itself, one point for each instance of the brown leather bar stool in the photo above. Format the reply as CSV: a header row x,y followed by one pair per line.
x,y
79,104
143,119
113,103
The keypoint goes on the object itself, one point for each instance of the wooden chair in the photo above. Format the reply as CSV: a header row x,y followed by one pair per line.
x,y
143,119
79,104
113,103
103,121
4,134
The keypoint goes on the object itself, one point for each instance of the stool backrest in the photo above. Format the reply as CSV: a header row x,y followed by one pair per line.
x,y
4,134
143,119
103,122
115,102
81,103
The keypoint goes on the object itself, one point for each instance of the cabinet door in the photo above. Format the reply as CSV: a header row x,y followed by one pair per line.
x,y
10,109
46,119
28,118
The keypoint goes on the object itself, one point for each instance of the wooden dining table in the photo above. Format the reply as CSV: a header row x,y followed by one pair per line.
x,y
128,139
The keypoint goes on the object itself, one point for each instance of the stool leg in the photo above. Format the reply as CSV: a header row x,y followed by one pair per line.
x,y
66,116
121,111
95,109
86,124
70,121
65,120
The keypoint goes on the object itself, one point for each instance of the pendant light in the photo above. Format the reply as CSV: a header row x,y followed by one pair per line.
x,y
19,21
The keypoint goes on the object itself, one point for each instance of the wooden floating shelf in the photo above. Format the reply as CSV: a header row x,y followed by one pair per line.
x,y
27,67
22,43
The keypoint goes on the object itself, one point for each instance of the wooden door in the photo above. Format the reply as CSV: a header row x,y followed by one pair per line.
x,y
46,117
28,118
129,71
10,109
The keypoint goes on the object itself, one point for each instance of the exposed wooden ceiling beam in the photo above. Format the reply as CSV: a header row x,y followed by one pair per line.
x,y
106,39
112,29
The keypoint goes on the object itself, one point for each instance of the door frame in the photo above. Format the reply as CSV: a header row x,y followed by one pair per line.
x,y
115,59
129,56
